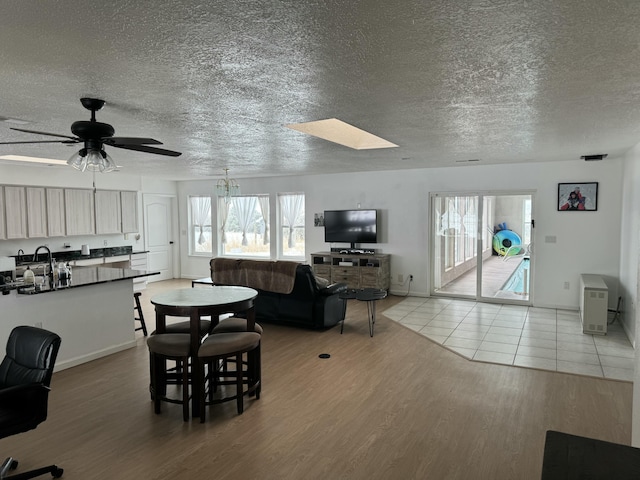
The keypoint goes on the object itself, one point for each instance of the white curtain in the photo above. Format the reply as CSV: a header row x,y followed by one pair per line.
x,y
223,214
291,206
201,215
263,201
244,208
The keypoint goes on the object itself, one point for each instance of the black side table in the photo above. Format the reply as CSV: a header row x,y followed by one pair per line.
x,y
369,295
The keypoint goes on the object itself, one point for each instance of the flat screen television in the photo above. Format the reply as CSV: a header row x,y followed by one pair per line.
x,y
351,226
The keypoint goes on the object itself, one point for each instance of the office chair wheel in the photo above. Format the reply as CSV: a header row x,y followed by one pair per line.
x,y
57,473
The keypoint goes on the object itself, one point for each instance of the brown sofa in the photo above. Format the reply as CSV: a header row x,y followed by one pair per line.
x,y
288,292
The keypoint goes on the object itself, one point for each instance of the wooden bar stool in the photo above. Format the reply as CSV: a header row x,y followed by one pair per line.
x,y
217,348
138,309
235,324
169,346
173,374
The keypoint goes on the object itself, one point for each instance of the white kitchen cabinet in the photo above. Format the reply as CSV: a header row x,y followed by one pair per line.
x,y
139,262
3,230
55,212
36,212
108,213
16,204
79,211
129,204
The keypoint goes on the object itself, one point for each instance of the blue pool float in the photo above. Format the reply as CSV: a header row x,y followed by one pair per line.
x,y
503,240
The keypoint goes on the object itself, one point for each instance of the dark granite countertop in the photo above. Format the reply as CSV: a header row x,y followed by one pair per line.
x,y
80,277
70,255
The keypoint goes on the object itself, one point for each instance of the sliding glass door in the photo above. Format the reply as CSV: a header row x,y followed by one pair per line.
x,y
481,246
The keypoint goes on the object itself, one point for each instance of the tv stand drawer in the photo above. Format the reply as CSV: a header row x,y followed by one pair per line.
x,y
361,271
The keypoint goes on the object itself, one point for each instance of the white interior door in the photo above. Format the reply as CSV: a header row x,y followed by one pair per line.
x,y
158,234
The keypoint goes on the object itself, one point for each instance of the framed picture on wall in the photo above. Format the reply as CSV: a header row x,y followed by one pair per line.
x,y
578,197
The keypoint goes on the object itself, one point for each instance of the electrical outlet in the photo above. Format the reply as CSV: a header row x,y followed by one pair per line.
x,y
400,278
411,278
567,285
105,243
38,325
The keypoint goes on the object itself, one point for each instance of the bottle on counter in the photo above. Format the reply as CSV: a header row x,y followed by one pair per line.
x,y
61,273
28,277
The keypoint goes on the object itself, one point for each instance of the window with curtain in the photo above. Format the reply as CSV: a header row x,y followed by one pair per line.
x,y
200,232
292,225
244,226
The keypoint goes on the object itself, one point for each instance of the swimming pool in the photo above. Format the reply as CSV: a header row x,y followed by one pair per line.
x,y
519,280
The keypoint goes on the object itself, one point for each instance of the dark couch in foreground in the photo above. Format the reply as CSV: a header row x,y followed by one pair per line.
x,y
288,292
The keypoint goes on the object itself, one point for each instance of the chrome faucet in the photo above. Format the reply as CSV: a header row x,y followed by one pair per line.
x,y
20,254
49,258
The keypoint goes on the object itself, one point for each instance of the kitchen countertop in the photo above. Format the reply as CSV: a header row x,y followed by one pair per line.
x,y
80,277
70,255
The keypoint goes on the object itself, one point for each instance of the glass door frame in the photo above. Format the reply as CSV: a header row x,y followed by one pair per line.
x,y
481,200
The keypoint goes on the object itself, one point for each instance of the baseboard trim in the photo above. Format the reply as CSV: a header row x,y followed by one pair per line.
x,y
74,362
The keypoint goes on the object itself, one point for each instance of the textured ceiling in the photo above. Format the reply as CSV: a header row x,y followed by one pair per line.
x,y
496,80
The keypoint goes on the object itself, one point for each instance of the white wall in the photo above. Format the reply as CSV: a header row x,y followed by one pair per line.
x,y
586,242
629,263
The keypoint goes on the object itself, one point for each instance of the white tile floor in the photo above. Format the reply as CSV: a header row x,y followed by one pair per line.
x,y
542,338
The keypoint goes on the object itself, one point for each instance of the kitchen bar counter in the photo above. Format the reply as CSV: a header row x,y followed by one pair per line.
x,y
80,277
93,315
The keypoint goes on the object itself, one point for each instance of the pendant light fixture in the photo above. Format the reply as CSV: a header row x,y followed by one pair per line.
x,y
227,187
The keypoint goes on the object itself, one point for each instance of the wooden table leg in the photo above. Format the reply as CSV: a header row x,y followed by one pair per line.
x,y
251,319
159,367
196,372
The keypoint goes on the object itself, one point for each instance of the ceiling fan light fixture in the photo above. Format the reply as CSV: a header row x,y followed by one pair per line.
x,y
94,160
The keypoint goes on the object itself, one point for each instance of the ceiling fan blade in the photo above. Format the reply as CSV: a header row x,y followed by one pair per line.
x,y
144,148
40,141
76,139
115,141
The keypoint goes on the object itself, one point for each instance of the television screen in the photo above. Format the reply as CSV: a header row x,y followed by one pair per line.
x,y
351,226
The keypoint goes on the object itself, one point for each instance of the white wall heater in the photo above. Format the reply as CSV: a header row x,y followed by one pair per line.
x,y
594,301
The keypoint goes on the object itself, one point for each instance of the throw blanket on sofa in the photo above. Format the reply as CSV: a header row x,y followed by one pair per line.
x,y
273,276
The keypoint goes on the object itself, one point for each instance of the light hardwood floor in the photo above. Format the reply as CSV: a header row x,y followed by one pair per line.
x,y
395,406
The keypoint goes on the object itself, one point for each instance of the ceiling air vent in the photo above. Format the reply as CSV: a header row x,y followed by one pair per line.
x,y
591,158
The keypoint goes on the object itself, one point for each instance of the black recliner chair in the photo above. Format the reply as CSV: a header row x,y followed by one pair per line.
x,y
25,376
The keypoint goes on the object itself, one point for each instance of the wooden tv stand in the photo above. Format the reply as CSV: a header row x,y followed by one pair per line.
x,y
355,269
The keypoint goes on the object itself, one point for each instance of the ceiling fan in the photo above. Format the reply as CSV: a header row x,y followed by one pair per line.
x,y
94,135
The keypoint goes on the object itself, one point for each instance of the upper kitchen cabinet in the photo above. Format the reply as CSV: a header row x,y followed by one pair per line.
x,y
55,212
79,212
108,213
129,203
3,230
16,204
36,212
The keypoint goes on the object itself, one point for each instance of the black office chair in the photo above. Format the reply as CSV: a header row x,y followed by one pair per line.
x,y
25,376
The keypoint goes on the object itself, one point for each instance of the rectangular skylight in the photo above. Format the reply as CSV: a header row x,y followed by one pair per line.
x,y
21,158
15,121
340,132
